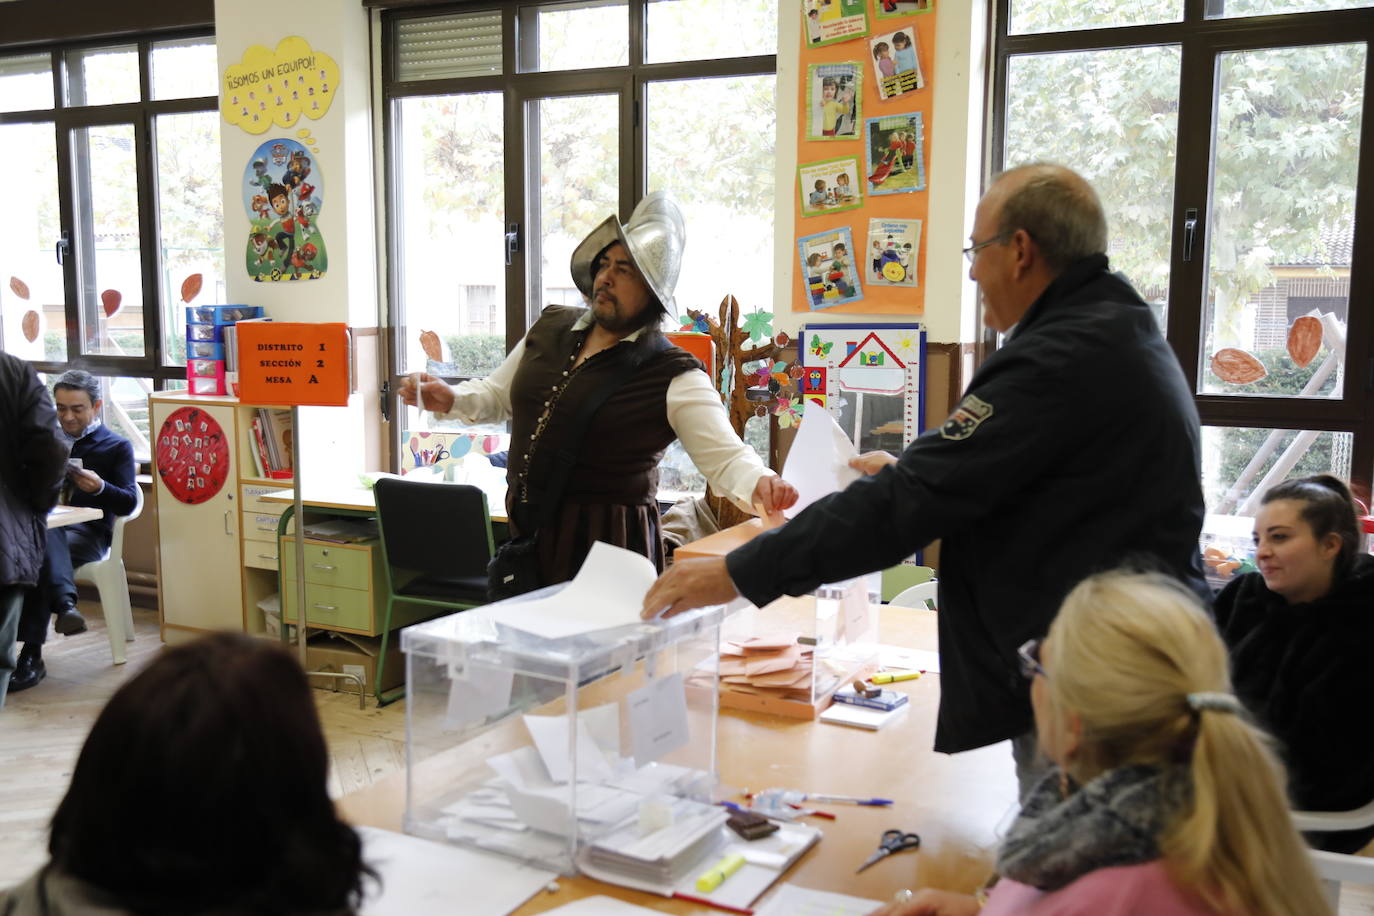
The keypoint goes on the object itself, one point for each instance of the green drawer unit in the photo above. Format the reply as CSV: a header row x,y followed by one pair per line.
x,y
341,565
332,607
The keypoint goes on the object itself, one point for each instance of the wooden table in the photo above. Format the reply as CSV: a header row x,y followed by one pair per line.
x,y
951,801
350,499
73,515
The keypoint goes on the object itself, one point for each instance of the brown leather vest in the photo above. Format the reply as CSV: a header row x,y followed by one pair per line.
x,y
618,458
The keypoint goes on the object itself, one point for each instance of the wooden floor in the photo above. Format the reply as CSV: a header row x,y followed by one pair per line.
x,y
42,729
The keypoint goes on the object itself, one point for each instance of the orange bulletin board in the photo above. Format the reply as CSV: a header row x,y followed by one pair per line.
x,y
293,364
818,219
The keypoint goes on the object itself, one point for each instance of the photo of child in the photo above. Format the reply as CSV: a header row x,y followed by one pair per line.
x,y
891,9
893,245
895,63
830,21
894,154
832,95
828,269
830,185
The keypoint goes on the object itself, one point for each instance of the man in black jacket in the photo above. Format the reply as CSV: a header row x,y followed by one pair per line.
x,y
101,475
31,466
1076,448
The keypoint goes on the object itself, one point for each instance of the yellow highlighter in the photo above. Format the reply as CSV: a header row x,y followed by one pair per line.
x,y
889,678
714,876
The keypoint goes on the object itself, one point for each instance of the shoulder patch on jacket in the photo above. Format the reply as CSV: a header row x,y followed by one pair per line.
x,y
966,417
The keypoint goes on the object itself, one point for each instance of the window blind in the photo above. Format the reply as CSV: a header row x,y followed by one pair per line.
x,y
445,47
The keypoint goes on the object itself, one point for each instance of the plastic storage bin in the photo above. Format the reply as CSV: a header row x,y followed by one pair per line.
x,y
221,314
492,758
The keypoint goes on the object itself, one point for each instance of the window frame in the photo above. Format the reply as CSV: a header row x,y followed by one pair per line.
x,y
1201,41
143,115
519,88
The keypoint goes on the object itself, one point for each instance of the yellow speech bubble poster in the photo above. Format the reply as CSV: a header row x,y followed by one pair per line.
x,y
278,87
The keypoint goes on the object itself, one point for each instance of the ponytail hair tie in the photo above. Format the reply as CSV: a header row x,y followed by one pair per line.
x,y
1221,702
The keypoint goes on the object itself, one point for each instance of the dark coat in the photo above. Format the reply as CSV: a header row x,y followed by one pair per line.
x,y
33,463
1300,669
1075,449
112,457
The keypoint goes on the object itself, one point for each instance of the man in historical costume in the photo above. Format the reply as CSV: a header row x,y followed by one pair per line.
x,y
104,480
1076,448
628,274
31,466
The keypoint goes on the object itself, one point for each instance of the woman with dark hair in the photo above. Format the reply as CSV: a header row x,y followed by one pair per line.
x,y
1300,633
201,789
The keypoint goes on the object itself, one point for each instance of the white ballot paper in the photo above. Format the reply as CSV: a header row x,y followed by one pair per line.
x,y
658,718
818,462
421,878
608,592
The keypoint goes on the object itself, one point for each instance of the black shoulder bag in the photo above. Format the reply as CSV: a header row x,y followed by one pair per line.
x,y
514,569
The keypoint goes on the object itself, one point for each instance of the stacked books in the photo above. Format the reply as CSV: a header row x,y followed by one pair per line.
x,y
272,443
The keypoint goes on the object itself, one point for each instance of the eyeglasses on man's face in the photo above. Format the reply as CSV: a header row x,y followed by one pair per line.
x,y
972,251
1029,656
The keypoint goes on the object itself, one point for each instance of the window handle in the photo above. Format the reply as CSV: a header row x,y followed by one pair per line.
x,y
512,243
63,246
1189,232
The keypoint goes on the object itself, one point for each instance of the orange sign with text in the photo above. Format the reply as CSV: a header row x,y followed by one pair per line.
x,y
293,363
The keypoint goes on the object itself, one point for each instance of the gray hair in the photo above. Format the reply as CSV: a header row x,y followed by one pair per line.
x,y
79,380
1057,208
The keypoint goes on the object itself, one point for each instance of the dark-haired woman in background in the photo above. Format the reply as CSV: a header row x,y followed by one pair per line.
x,y
201,790
1301,637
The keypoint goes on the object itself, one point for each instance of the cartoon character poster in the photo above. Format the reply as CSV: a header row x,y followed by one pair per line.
x,y
283,192
827,261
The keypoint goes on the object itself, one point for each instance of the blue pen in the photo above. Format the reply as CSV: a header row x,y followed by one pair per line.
x,y
849,800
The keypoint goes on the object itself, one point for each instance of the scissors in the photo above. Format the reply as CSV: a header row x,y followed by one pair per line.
x,y
893,841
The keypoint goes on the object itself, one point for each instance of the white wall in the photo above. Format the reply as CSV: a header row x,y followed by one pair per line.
x,y
333,438
956,137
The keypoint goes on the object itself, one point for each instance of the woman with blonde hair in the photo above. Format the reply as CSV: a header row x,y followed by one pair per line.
x,y
1163,799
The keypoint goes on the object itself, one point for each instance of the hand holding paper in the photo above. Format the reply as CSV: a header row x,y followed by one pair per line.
x,y
772,495
819,461
870,463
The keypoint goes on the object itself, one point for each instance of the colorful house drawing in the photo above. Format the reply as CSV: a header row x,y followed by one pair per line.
x,y
871,365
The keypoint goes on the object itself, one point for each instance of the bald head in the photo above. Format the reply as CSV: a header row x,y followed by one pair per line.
x,y
1055,206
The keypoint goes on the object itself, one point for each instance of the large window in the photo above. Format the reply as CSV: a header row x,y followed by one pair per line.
x,y
1230,143
512,131
112,165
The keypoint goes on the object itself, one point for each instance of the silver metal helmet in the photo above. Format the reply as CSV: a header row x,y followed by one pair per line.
x,y
654,238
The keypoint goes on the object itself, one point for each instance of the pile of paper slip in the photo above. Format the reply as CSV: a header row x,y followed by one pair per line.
x,y
775,666
665,855
527,808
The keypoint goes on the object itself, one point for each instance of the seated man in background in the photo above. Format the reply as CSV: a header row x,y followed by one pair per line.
x,y
104,479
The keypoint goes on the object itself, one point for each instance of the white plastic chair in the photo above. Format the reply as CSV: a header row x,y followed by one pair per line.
x,y
1335,867
108,576
918,596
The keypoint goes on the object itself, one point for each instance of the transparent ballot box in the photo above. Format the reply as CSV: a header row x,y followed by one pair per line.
x,y
538,747
791,656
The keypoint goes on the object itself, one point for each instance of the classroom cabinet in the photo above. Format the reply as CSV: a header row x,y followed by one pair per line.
x,y
216,538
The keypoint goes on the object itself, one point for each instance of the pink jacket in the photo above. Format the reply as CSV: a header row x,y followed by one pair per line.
x,y
1128,890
